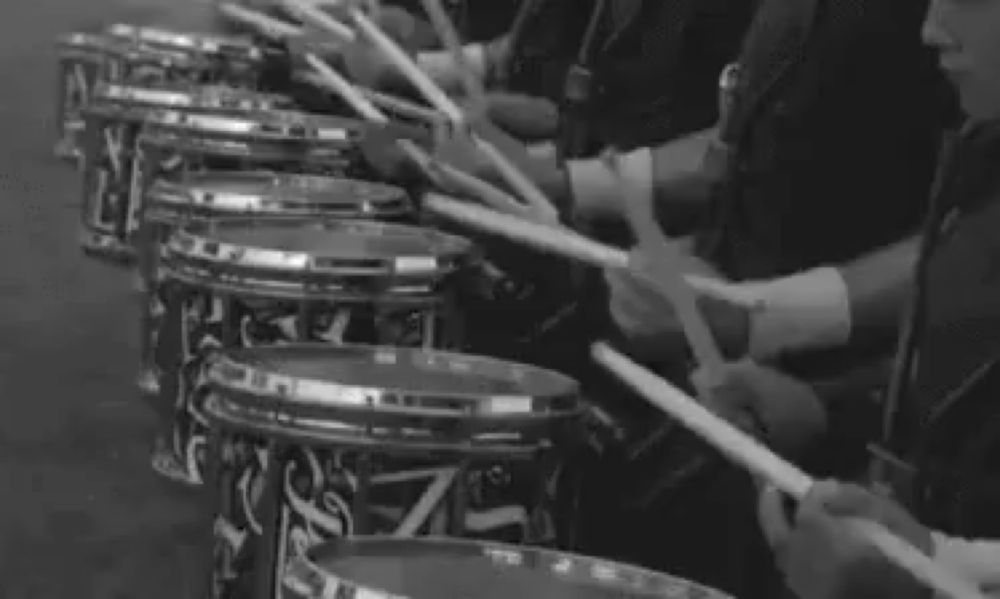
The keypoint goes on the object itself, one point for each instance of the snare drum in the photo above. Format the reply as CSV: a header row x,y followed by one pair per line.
x,y
312,442
236,61
114,118
206,196
173,144
85,59
384,568
245,282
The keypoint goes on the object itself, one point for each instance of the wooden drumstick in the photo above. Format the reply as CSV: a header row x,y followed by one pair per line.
x,y
404,107
549,238
452,42
262,23
433,169
748,453
665,265
309,13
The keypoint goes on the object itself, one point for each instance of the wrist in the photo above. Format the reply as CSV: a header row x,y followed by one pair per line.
x,y
806,311
595,186
440,65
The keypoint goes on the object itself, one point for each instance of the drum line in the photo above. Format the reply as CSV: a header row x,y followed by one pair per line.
x,y
741,448
534,223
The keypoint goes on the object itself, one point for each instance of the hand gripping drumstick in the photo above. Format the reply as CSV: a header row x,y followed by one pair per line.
x,y
745,451
440,100
435,170
262,23
664,262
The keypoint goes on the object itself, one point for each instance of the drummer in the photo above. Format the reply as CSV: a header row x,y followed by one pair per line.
x,y
944,443
633,49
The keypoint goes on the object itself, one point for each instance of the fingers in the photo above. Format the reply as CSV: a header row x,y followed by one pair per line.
x,y
773,520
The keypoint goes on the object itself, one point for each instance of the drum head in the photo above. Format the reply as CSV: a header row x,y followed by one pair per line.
x,y
303,258
374,394
266,193
432,568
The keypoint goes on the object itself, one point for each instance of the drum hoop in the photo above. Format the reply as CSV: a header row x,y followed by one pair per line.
x,y
206,97
176,208
414,295
207,43
172,122
304,576
380,200
186,247
228,373
388,437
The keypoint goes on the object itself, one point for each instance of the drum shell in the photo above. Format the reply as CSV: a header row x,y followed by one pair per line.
x,y
79,64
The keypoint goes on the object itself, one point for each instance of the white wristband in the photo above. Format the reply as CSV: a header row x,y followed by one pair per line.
x,y
595,186
978,561
441,67
808,310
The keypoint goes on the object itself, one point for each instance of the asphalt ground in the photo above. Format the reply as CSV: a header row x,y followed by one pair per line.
x,y
81,514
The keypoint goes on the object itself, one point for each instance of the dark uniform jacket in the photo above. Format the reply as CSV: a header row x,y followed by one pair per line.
x,y
951,423
834,132
655,63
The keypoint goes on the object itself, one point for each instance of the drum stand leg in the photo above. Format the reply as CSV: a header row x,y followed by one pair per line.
x,y
458,506
215,504
268,553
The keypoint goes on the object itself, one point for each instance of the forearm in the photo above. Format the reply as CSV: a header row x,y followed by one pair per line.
x,y
680,172
878,287
825,307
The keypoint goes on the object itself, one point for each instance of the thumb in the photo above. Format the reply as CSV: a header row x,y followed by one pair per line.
x,y
846,500
773,520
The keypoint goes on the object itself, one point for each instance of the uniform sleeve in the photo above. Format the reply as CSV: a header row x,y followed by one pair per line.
x,y
978,560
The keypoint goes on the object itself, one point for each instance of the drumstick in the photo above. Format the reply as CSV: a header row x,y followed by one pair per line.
x,y
556,239
523,186
748,453
449,37
312,14
403,107
435,170
264,24
664,262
